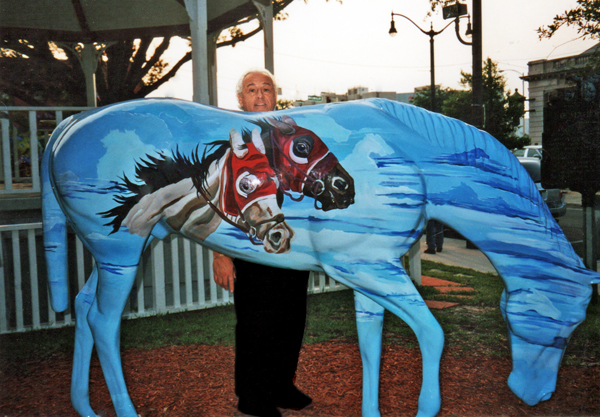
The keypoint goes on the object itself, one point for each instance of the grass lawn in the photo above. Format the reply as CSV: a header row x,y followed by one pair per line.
x,y
474,325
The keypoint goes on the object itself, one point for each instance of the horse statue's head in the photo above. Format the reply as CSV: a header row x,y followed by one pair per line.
x,y
305,165
249,194
541,322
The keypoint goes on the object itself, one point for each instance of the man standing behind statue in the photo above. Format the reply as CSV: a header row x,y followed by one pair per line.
x,y
270,304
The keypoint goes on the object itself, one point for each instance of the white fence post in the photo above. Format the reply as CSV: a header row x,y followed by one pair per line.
x,y
9,160
33,149
6,164
200,274
414,263
158,272
3,300
17,316
187,272
33,276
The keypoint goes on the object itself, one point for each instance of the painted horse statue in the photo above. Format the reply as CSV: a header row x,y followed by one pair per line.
x,y
131,172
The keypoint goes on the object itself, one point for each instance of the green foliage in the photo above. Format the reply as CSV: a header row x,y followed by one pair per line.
x,y
503,110
283,104
39,72
422,97
458,104
30,72
586,17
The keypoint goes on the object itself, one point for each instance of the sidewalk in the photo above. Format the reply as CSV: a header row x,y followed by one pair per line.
x,y
455,253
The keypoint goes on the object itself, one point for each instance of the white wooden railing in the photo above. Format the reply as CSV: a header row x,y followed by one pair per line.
x,y
15,176
174,275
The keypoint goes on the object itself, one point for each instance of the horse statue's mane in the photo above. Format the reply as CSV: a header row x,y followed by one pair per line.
x,y
156,172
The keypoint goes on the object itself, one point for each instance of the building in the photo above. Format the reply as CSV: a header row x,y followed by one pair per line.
x,y
547,77
354,93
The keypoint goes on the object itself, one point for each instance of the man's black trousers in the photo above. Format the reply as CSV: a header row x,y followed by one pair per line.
x,y
270,305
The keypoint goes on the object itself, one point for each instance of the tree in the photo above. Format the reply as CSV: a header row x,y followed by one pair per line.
x,y
502,110
586,17
422,97
41,72
458,104
30,72
283,104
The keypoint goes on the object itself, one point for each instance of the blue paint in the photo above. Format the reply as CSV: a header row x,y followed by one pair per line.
x,y
407,166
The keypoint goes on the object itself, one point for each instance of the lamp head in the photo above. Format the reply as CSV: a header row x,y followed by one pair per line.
x,y
393,31
469,31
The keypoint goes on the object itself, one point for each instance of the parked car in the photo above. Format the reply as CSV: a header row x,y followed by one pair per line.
x,y
553,197
531,151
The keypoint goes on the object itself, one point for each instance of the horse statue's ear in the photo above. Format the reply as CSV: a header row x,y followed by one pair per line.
x,y
289,121
285,128
237,144
258,142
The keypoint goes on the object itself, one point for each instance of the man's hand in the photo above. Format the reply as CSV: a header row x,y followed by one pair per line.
x,y
223,271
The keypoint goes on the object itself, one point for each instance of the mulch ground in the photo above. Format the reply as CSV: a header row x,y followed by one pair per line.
x,y
198,381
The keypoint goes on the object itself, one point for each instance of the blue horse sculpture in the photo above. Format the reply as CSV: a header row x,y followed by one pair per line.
x,y
402,166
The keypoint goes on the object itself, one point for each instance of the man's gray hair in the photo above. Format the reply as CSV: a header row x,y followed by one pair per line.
x,y
240,84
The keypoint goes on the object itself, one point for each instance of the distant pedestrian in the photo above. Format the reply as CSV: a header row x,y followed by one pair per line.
x,y
435,237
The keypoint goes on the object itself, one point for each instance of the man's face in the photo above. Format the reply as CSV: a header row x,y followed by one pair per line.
x,y
258,93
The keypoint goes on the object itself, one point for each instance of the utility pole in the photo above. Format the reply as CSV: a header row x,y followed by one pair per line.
x,y
477,71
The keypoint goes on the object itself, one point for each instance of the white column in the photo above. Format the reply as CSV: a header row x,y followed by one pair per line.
x,y
89,63
198,26
265,14
212,68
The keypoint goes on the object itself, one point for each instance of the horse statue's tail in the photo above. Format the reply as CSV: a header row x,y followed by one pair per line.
x,y
55,229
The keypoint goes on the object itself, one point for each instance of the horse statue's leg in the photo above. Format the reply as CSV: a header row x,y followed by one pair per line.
x,y
398,295
104,317
369,323
84,344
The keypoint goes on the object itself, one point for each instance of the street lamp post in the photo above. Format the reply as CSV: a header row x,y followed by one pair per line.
x,y
431,33
477,70
454,11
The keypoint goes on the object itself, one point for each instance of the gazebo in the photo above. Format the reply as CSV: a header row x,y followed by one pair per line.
x,y
91,22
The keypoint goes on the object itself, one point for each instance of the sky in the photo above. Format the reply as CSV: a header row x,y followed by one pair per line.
x,y
328,46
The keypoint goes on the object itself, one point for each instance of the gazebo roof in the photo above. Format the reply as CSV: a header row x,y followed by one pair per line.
x,y
109,20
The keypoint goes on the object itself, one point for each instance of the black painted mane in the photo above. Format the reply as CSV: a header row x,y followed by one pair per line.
x,y
156,172
264,125
265,129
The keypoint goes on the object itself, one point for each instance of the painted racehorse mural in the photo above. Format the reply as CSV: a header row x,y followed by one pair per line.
x,y
234,183
407,165
304,164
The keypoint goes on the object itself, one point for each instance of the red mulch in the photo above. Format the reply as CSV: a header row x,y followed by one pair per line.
x,y
198,381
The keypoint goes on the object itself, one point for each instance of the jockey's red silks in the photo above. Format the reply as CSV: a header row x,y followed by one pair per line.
x,y
293,172
253,168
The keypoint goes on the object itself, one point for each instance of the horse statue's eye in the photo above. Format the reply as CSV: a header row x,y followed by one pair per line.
x,y
301,149
247,183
